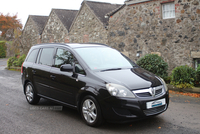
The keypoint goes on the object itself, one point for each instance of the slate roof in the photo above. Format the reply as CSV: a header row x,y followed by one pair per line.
x,y
40,21
66,16
100,9
115,10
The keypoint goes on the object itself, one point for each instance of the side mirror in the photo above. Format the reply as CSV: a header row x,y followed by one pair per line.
x,y
67,68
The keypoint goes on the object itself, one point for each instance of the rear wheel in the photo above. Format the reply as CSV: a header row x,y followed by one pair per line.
x,y
30,94
90,111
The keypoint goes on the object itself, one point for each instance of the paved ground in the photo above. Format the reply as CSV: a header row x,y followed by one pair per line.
x,y
18,117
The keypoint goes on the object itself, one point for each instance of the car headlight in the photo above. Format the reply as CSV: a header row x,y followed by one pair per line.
x,y
164,84
119,90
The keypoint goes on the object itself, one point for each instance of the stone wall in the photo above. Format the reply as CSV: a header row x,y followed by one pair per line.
x,y
87,28
135,30
139,29
30,36
54,30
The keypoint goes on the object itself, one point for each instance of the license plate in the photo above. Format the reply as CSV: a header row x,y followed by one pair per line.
x,y
156,103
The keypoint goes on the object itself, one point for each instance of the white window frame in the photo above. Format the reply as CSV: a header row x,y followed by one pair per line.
x,y
168,10
196,61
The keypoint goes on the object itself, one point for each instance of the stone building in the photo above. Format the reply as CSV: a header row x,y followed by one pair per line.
x,y
90,24
9,35
169,28
32,31
57,26
15,43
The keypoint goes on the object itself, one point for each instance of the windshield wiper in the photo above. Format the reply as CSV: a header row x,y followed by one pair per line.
x,y
111,69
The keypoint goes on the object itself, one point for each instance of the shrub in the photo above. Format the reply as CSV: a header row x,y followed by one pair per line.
x,y
183,77
155,64
167,79
21,60
2,49
184,85
16,62
198,73
10,61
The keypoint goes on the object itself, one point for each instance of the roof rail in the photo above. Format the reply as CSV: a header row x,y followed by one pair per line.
x,y
50,44
95,43
69,44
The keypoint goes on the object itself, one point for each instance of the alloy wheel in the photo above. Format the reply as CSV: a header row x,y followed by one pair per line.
x,y
89,111
29,93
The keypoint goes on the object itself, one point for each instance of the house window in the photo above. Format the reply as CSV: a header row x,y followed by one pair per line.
x,y
168,10
196,63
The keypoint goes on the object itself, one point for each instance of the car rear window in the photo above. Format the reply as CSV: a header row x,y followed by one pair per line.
x,y
32,56
46,56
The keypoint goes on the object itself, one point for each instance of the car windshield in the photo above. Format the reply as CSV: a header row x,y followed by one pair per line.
x,y
103,58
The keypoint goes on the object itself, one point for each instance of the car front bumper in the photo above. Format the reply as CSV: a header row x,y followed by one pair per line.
x,y
121,110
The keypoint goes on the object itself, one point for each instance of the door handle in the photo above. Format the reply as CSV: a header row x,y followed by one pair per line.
x,y
33,71
52,77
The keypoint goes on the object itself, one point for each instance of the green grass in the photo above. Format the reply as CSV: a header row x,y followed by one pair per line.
x,y
12,69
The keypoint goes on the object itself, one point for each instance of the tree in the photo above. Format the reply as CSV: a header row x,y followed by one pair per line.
x,y
9,22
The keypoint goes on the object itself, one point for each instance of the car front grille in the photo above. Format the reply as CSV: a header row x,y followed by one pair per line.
x,y
146,94
154,111
150,92
158,91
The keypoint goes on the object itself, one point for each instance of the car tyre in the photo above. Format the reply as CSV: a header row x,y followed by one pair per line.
x,y
91,112
30,94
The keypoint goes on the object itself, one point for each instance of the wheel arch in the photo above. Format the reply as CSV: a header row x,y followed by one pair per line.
x,y
24,86
88,91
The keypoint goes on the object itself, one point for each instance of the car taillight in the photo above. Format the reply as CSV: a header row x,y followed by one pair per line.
x,y
22,68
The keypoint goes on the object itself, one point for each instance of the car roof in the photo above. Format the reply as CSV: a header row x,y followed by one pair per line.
x,y
78,45
72,45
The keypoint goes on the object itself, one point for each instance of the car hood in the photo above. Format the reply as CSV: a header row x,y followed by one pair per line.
x,y
135,78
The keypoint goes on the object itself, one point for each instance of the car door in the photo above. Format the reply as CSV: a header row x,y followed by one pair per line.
x,y
41,71
63,84
28,64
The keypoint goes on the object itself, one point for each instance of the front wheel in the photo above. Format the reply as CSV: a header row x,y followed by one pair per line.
x,y
30,94
90,111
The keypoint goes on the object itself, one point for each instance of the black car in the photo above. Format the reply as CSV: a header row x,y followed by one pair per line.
x,y
95,79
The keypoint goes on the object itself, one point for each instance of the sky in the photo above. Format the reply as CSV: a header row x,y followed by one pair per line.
x,y
24,8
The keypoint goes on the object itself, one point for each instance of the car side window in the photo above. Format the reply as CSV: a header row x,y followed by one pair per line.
x,y
32,56
63,56
46,56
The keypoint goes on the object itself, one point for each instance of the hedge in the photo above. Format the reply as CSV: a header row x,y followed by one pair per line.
x,y
2,49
